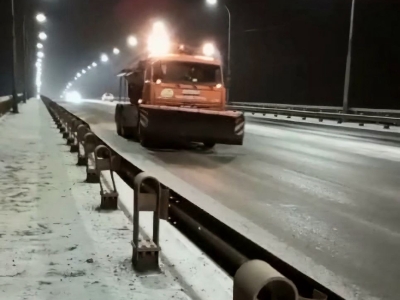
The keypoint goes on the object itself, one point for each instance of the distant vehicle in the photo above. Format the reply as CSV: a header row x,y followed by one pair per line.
x,y
107,97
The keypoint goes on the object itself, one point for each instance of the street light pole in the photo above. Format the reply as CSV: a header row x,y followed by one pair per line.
x,y
229,52
25,59
348,61
214,2
14,68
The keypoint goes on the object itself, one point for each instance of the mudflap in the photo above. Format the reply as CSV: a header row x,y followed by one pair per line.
x,y
170,124
126,120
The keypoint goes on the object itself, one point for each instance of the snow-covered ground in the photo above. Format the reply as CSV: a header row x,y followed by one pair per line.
x,y
56,244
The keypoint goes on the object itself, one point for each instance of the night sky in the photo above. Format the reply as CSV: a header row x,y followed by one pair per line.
x,y
286,51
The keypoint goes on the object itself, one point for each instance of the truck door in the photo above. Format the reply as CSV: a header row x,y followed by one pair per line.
x,y
147,85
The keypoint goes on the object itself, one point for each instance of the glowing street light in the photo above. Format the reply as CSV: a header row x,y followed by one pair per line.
x,y
84,71
94,65
132,41
208,49
89,67
40,54
43,36
104,58
116,51
79,75
212,2
41,18
39,45
159,42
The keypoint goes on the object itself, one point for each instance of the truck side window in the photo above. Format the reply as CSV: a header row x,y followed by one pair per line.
x,y
148,73
158,72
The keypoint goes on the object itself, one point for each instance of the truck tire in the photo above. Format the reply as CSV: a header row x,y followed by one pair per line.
x,y
117,117
145,141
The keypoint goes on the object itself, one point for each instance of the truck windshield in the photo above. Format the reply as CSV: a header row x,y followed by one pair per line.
x,y
185,72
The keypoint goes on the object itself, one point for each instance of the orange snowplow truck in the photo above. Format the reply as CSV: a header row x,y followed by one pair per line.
x,y
178,97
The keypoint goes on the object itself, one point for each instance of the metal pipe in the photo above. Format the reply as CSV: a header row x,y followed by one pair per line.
x,y
236,258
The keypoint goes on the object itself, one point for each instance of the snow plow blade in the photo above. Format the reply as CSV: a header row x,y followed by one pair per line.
x,y
163,123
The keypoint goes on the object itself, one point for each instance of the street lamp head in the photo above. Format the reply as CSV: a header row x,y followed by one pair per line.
x,y
116,51
39,45
94,65
84,71
40,54
132,41
212,2
104,58
41,18
43,36
208,49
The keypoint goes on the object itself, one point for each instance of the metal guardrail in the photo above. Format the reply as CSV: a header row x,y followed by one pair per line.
x,y
6,103
257,273
316,108
321,115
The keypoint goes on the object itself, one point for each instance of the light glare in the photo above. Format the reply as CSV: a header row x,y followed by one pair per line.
x,y
73,96
41,18
208,49
132,41
159,42
104,58
43,36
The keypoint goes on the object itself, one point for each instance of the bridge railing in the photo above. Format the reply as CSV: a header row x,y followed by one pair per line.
x,y
6,103
357,115
256,272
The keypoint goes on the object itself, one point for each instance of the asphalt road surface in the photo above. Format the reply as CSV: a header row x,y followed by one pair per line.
x,y
327,194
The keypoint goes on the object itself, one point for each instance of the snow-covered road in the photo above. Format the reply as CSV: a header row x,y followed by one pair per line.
x,y
54,243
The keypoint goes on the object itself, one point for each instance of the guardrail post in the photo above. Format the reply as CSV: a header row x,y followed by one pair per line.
x,y
74,129
56,117
258,280
61,117
81,132
90,143
104,162
145,256
70,121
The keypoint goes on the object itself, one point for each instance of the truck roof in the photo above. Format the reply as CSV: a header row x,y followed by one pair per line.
x,y
187,58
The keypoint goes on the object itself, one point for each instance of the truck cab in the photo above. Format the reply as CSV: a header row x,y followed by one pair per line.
x,y
178,80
